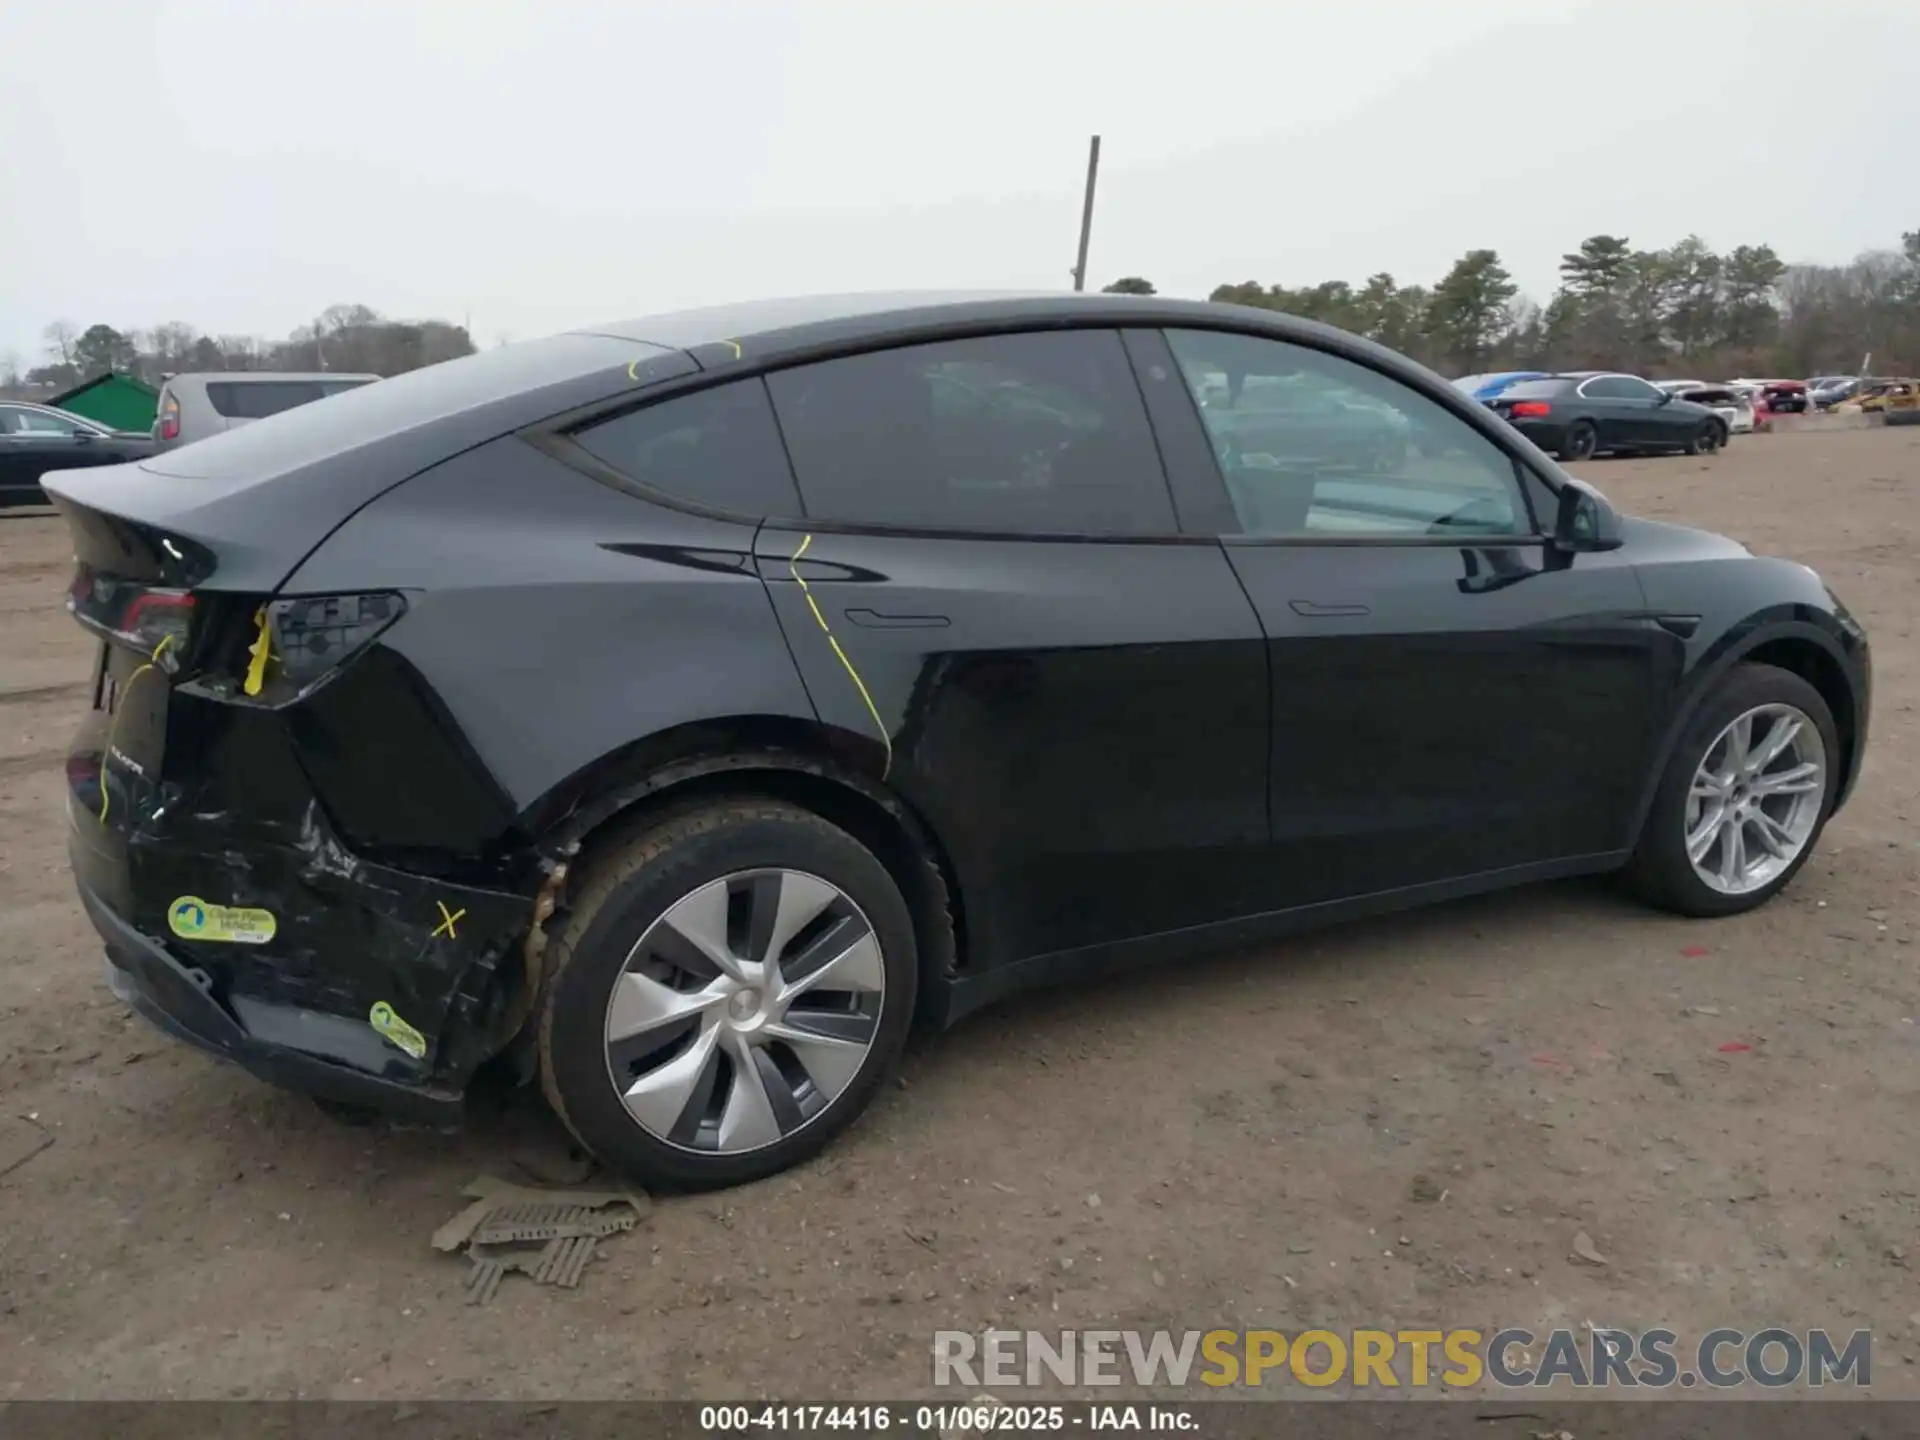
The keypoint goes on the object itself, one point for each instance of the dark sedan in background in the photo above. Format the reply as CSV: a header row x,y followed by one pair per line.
x,y
37,438
1584,412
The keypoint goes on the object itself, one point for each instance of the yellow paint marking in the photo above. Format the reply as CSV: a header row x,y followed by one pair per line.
x,y
793,569
446,921
257,655
120,708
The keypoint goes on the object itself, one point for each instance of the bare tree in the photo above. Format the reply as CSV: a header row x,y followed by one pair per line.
x,y
60,336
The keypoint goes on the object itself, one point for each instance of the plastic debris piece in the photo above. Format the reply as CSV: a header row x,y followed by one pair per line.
x,y
1694,952
1584,1247
490,1195
1735,1047
547,1235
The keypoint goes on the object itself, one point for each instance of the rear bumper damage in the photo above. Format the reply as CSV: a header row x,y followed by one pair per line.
x,y
275,946
179,1000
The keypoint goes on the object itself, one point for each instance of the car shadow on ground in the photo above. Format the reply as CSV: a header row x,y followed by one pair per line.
x,y
510,1131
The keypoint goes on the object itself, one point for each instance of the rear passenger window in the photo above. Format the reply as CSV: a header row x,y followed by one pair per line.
x,y
716,447
1037,433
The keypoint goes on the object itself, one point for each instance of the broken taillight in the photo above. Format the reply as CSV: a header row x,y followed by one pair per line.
x,y
287,647
314,635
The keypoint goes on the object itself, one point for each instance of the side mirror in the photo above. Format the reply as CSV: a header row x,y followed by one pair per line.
x,y
1585,520
84,435
1666,398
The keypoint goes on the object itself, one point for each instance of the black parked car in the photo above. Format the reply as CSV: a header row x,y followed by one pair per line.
x,y
680,709
1585,412
37,438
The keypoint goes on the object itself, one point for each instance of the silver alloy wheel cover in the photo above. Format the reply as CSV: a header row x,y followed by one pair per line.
x,y
1755,799
723,1046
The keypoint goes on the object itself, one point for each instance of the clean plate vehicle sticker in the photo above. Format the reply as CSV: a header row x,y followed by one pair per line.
x,y
192,918
382,1018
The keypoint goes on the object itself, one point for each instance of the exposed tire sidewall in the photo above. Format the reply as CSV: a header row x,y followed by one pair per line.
x,y
696,850
1661,861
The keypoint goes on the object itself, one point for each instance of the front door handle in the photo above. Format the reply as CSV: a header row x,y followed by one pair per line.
x,y
1315,611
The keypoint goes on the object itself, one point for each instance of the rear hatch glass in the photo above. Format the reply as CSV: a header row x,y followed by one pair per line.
x,y
258,498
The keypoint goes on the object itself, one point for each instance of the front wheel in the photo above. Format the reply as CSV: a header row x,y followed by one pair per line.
x,y
1744,797
728,993
1580,442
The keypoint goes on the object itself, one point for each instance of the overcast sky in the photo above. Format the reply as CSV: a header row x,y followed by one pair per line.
x,y
536,164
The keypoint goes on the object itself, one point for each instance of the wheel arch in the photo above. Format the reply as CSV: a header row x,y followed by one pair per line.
x,y
777,758
1797,646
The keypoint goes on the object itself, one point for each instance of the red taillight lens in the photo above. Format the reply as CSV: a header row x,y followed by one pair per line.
x,y
169,419
157,618
144,618
1530,409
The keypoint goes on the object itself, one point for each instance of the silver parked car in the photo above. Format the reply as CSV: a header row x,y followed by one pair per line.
x,y
193,407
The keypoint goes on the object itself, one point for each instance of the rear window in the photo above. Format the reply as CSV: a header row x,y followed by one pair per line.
x,y
257,399
716,447
1536,389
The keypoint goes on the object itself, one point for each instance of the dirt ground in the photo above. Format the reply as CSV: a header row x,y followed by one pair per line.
x,y
1399,1123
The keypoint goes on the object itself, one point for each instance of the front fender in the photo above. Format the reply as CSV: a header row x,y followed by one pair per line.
x,y
1711,657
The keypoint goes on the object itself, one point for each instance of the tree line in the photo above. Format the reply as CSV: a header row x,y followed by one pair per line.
x,y
1684,310
343,338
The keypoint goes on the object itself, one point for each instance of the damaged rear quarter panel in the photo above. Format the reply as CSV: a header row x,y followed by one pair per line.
x,y
559,621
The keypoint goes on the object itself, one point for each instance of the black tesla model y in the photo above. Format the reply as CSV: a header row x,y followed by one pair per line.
x,y
676,711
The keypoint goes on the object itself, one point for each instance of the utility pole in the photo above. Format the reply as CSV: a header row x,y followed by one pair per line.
x,y
1086,215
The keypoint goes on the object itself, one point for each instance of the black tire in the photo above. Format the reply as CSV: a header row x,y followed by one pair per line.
x,y
1660,872
629,887
1707,439
1580,442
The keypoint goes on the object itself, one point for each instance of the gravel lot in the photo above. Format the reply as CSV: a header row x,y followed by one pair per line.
x,y
1400,1123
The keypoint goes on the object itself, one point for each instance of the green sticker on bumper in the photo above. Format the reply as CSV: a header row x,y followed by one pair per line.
x,y
192,918
382,1018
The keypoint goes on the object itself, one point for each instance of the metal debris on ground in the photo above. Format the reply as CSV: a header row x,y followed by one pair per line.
x,y
548,1235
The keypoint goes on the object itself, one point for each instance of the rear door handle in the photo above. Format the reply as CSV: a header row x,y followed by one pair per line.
x,y
875,620
1314,611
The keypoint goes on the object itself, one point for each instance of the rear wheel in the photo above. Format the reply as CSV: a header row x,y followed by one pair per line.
x,y
1744,797
728,993
1707,439
1580,441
